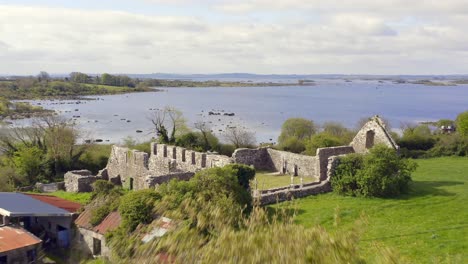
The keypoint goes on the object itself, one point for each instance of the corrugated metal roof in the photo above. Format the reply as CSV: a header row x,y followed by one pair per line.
x,y
18,204
83,220
111,222
162,227
15,237
57,202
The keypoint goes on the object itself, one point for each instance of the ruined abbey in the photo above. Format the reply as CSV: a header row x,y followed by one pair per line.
x,y
139,170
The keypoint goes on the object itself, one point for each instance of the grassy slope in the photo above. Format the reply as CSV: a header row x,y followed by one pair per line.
x,y
428,225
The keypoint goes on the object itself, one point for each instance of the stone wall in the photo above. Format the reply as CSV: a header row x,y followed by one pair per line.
x,y
152,181
268,159
84,241
292,163
323,154
372,133
275,195
127,167
79,181
259,158
139,170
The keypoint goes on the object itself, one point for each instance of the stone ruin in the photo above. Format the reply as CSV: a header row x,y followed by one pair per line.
x,y
79,181
139,170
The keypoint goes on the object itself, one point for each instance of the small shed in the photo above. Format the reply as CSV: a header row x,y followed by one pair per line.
x,y
18,245
91,239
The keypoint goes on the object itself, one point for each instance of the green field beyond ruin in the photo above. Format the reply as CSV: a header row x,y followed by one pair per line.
x,y
428,225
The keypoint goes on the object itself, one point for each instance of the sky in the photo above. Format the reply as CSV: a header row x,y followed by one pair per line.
x,y
224,36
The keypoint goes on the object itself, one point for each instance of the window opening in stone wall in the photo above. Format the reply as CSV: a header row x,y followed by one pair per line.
x,y
193,158
285,167
370,139
296,170
130,186
183,155
3,260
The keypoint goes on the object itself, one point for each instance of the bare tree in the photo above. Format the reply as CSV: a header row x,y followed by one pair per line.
x,y
168,119
239,137
60,138
43,76
205,131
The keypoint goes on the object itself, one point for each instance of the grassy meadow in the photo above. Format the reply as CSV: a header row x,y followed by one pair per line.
x,y
427,225
268,180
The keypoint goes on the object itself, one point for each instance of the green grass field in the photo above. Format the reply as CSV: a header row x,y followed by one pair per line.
x,y
267,180
81,198
427,225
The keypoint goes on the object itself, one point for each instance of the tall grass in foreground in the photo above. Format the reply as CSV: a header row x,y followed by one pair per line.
x,y
260,239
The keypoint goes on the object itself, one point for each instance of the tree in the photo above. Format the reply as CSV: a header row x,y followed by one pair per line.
x,y
294,133
297,127
239,137
168,118
322,140
29,163
43,76
462,123
80,77
60,138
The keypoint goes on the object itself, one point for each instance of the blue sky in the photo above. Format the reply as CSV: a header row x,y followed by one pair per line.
x,y
258,36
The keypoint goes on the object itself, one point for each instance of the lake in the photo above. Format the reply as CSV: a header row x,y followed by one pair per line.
x,y
263,109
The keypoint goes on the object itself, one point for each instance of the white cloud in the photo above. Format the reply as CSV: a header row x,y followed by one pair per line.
x,y
365,37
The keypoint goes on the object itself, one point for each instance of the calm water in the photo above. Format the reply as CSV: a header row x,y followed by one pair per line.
x,y
264,109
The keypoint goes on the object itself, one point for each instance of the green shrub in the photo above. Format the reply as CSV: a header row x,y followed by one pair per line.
x,y
381,173
98,214
322,140
292,144
102,187
450,145
462,124
344,179
244,174
136,208
226,149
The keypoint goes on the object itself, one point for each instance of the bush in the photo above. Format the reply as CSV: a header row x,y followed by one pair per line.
x,y
136,208
98,214
462,124
322,140
344,177
292,144
225,149
450,145
381,173
102,187
244,174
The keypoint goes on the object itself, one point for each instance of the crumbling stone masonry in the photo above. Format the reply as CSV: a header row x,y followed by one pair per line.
x,y
139,170
79,181
372,133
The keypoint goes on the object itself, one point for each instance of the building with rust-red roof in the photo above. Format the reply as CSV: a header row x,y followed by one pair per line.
x,y
18,245
91,238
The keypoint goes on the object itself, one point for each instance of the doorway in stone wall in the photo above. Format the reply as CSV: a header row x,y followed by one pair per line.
x,y
370,135
96,246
